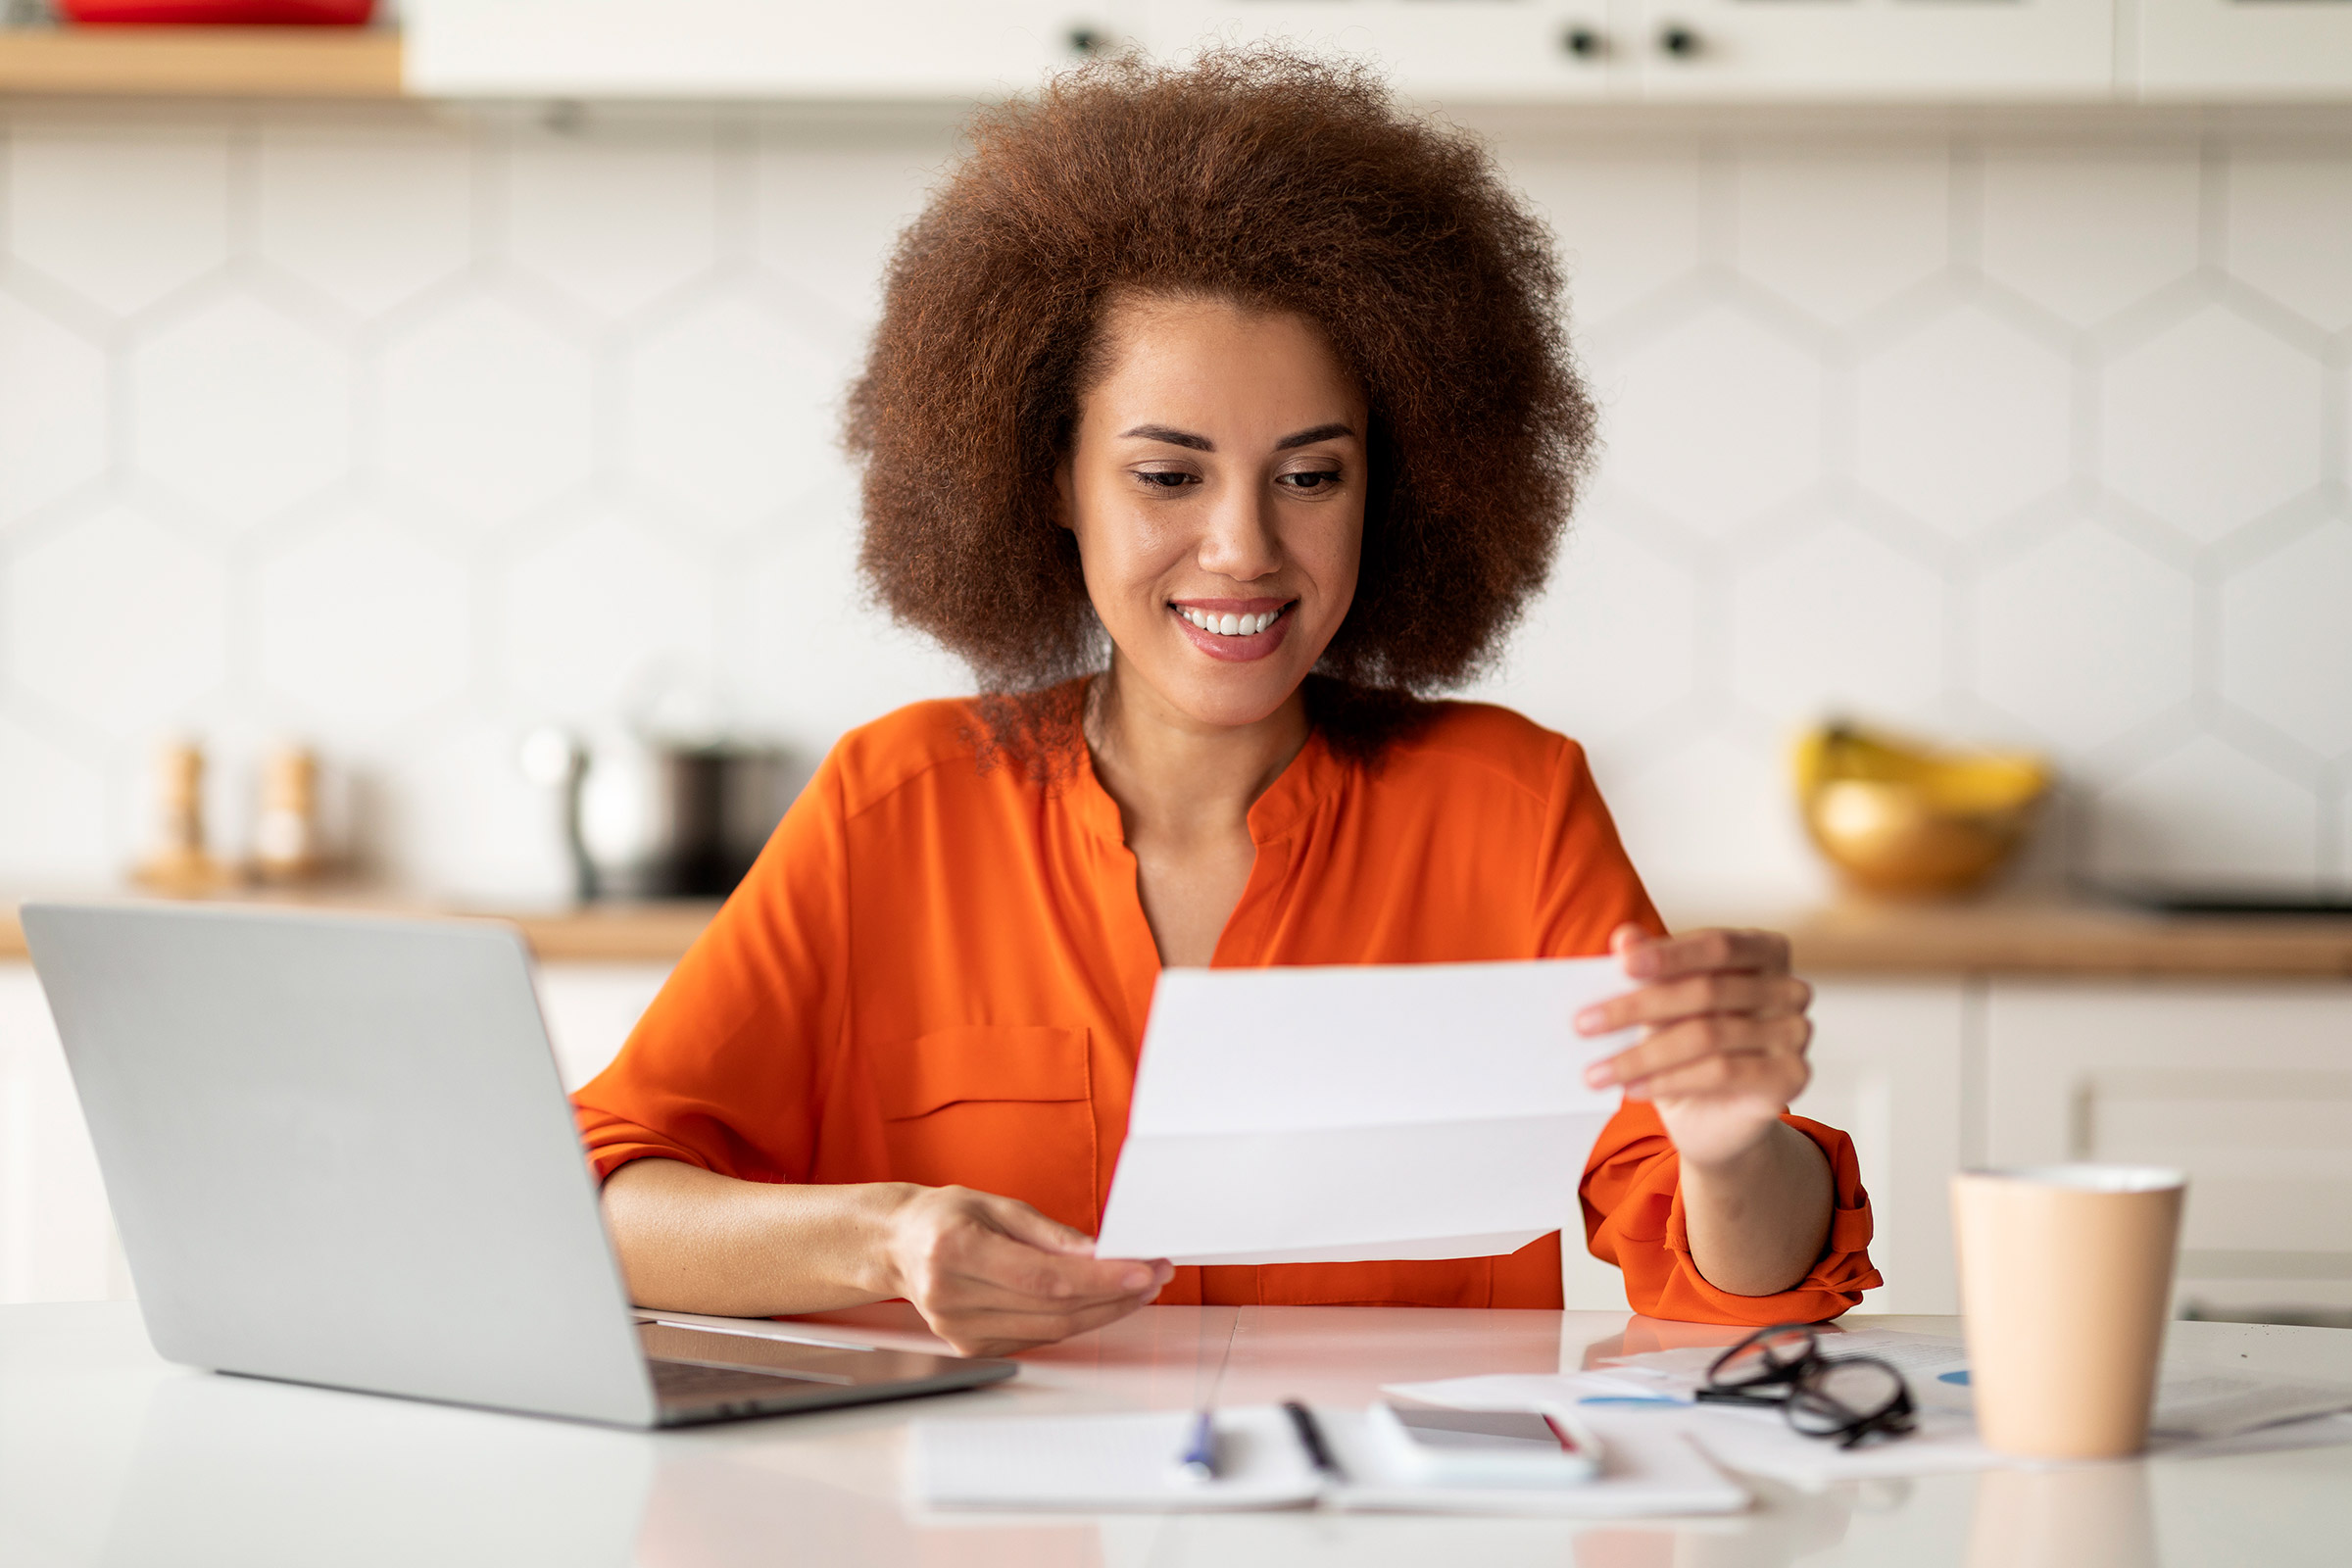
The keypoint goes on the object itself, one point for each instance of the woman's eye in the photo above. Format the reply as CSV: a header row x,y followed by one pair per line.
x,y
1310,480
1165,478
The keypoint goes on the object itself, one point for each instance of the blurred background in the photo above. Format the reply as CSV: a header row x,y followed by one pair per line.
x,y
429,428
399,431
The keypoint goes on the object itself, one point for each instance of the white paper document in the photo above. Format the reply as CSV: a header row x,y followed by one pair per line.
x,y
1110,1464
1329,1115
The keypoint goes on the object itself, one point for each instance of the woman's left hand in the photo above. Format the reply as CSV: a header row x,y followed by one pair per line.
x,y
1726,1033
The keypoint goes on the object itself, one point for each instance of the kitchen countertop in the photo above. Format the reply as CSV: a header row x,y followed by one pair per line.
x,y
2059,939
1996,936
656,932
109,1454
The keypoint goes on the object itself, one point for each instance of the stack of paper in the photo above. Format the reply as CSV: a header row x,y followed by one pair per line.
x,y
2192,1402
1108,1464
1367,1112
2197,1411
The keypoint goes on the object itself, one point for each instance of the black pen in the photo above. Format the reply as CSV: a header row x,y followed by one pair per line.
x,y
1311,1437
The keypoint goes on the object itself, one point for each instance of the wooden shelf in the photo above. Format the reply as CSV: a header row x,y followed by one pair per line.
x,y
200,62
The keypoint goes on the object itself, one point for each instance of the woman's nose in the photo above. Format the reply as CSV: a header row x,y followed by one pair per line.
x,y
1241,542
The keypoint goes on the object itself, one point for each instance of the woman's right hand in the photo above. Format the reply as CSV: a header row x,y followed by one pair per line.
x,y
991,1275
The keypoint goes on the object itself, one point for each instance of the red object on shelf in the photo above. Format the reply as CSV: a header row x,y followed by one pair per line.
x,y
219,13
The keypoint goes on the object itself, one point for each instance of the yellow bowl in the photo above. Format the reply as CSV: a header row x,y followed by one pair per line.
x,y
1895,817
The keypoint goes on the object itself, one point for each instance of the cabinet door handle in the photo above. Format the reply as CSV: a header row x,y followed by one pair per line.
x,y
1086,41
1678,41
1585,43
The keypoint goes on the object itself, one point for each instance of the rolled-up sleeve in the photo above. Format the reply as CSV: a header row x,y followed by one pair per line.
x,y
1633,1218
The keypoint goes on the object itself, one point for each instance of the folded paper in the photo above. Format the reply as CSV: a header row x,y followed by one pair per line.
x,y
1346,1115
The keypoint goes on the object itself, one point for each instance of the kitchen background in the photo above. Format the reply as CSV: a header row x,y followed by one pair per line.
x,y
1982,371
401,431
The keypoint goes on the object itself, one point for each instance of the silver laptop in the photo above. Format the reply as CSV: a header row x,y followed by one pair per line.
x,y
337,1153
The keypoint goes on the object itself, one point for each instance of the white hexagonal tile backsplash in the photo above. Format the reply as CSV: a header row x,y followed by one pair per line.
x,y
52,409
2210,424
369,218
118,624
613,224
1837,623
610,619
2085,636
118,217
2084,232
734,408
1964,421
365,624
487,409
1714,422
2290,230
241,410
1891,213
2206,812
2286,639
1628,227
1613,645
52,809
406,431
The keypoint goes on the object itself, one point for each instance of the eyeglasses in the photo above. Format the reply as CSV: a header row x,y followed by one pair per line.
x,y
1847,1397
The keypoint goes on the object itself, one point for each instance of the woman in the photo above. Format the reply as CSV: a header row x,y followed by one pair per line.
x,y
1214,415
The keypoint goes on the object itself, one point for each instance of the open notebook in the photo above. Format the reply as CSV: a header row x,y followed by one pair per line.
x,y
1110,1464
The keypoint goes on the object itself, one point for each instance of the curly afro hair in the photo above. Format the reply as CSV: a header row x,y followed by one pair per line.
x,y
1280,182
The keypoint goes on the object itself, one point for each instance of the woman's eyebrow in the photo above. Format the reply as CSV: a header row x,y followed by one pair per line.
x,y
1171,436
1307,438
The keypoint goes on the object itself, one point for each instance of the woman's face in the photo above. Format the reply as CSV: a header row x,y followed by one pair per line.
x,y
1216,486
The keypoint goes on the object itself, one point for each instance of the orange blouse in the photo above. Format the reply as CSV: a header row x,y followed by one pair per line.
x,y
938,972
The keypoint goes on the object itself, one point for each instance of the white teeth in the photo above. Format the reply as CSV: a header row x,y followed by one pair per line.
x,y
1230,625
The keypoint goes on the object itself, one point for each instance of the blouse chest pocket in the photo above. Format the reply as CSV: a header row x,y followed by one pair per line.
x,y
1004,1109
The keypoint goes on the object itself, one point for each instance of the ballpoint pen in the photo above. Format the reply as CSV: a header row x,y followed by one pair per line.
x,y
1311,1437
1200,1458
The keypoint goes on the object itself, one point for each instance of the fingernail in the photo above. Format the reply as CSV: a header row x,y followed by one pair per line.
x,y
1135,1279
1640,962
1599,1075
1588,1020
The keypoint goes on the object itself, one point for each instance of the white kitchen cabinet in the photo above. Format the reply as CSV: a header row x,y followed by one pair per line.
x,y
910,49
1448,51
2247,1087
57,1240
1875,49
590,1009
2241,48
1461,50
1890,1068
1567,49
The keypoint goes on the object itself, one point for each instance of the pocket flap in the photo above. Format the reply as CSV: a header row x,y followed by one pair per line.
x,y
979,1062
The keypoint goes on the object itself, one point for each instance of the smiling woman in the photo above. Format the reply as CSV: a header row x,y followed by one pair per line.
x,y
1256,180
1218,418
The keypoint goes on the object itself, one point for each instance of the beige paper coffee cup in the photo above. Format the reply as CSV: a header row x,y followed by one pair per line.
x,y
2064,1275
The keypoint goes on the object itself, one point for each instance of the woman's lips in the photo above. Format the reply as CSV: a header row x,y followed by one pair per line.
x,y
1234,650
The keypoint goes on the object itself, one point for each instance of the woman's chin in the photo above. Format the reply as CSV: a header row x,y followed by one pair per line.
x,y
1229,696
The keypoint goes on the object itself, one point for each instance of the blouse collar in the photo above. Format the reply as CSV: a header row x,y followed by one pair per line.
x,y
1277,813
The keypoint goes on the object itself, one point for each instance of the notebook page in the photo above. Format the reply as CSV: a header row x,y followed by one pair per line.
x,y
1108,1462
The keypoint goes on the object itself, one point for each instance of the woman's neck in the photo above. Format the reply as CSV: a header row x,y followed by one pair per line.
x,y
1174,778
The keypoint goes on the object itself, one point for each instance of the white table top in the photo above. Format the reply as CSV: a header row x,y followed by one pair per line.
x,y
111,1456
